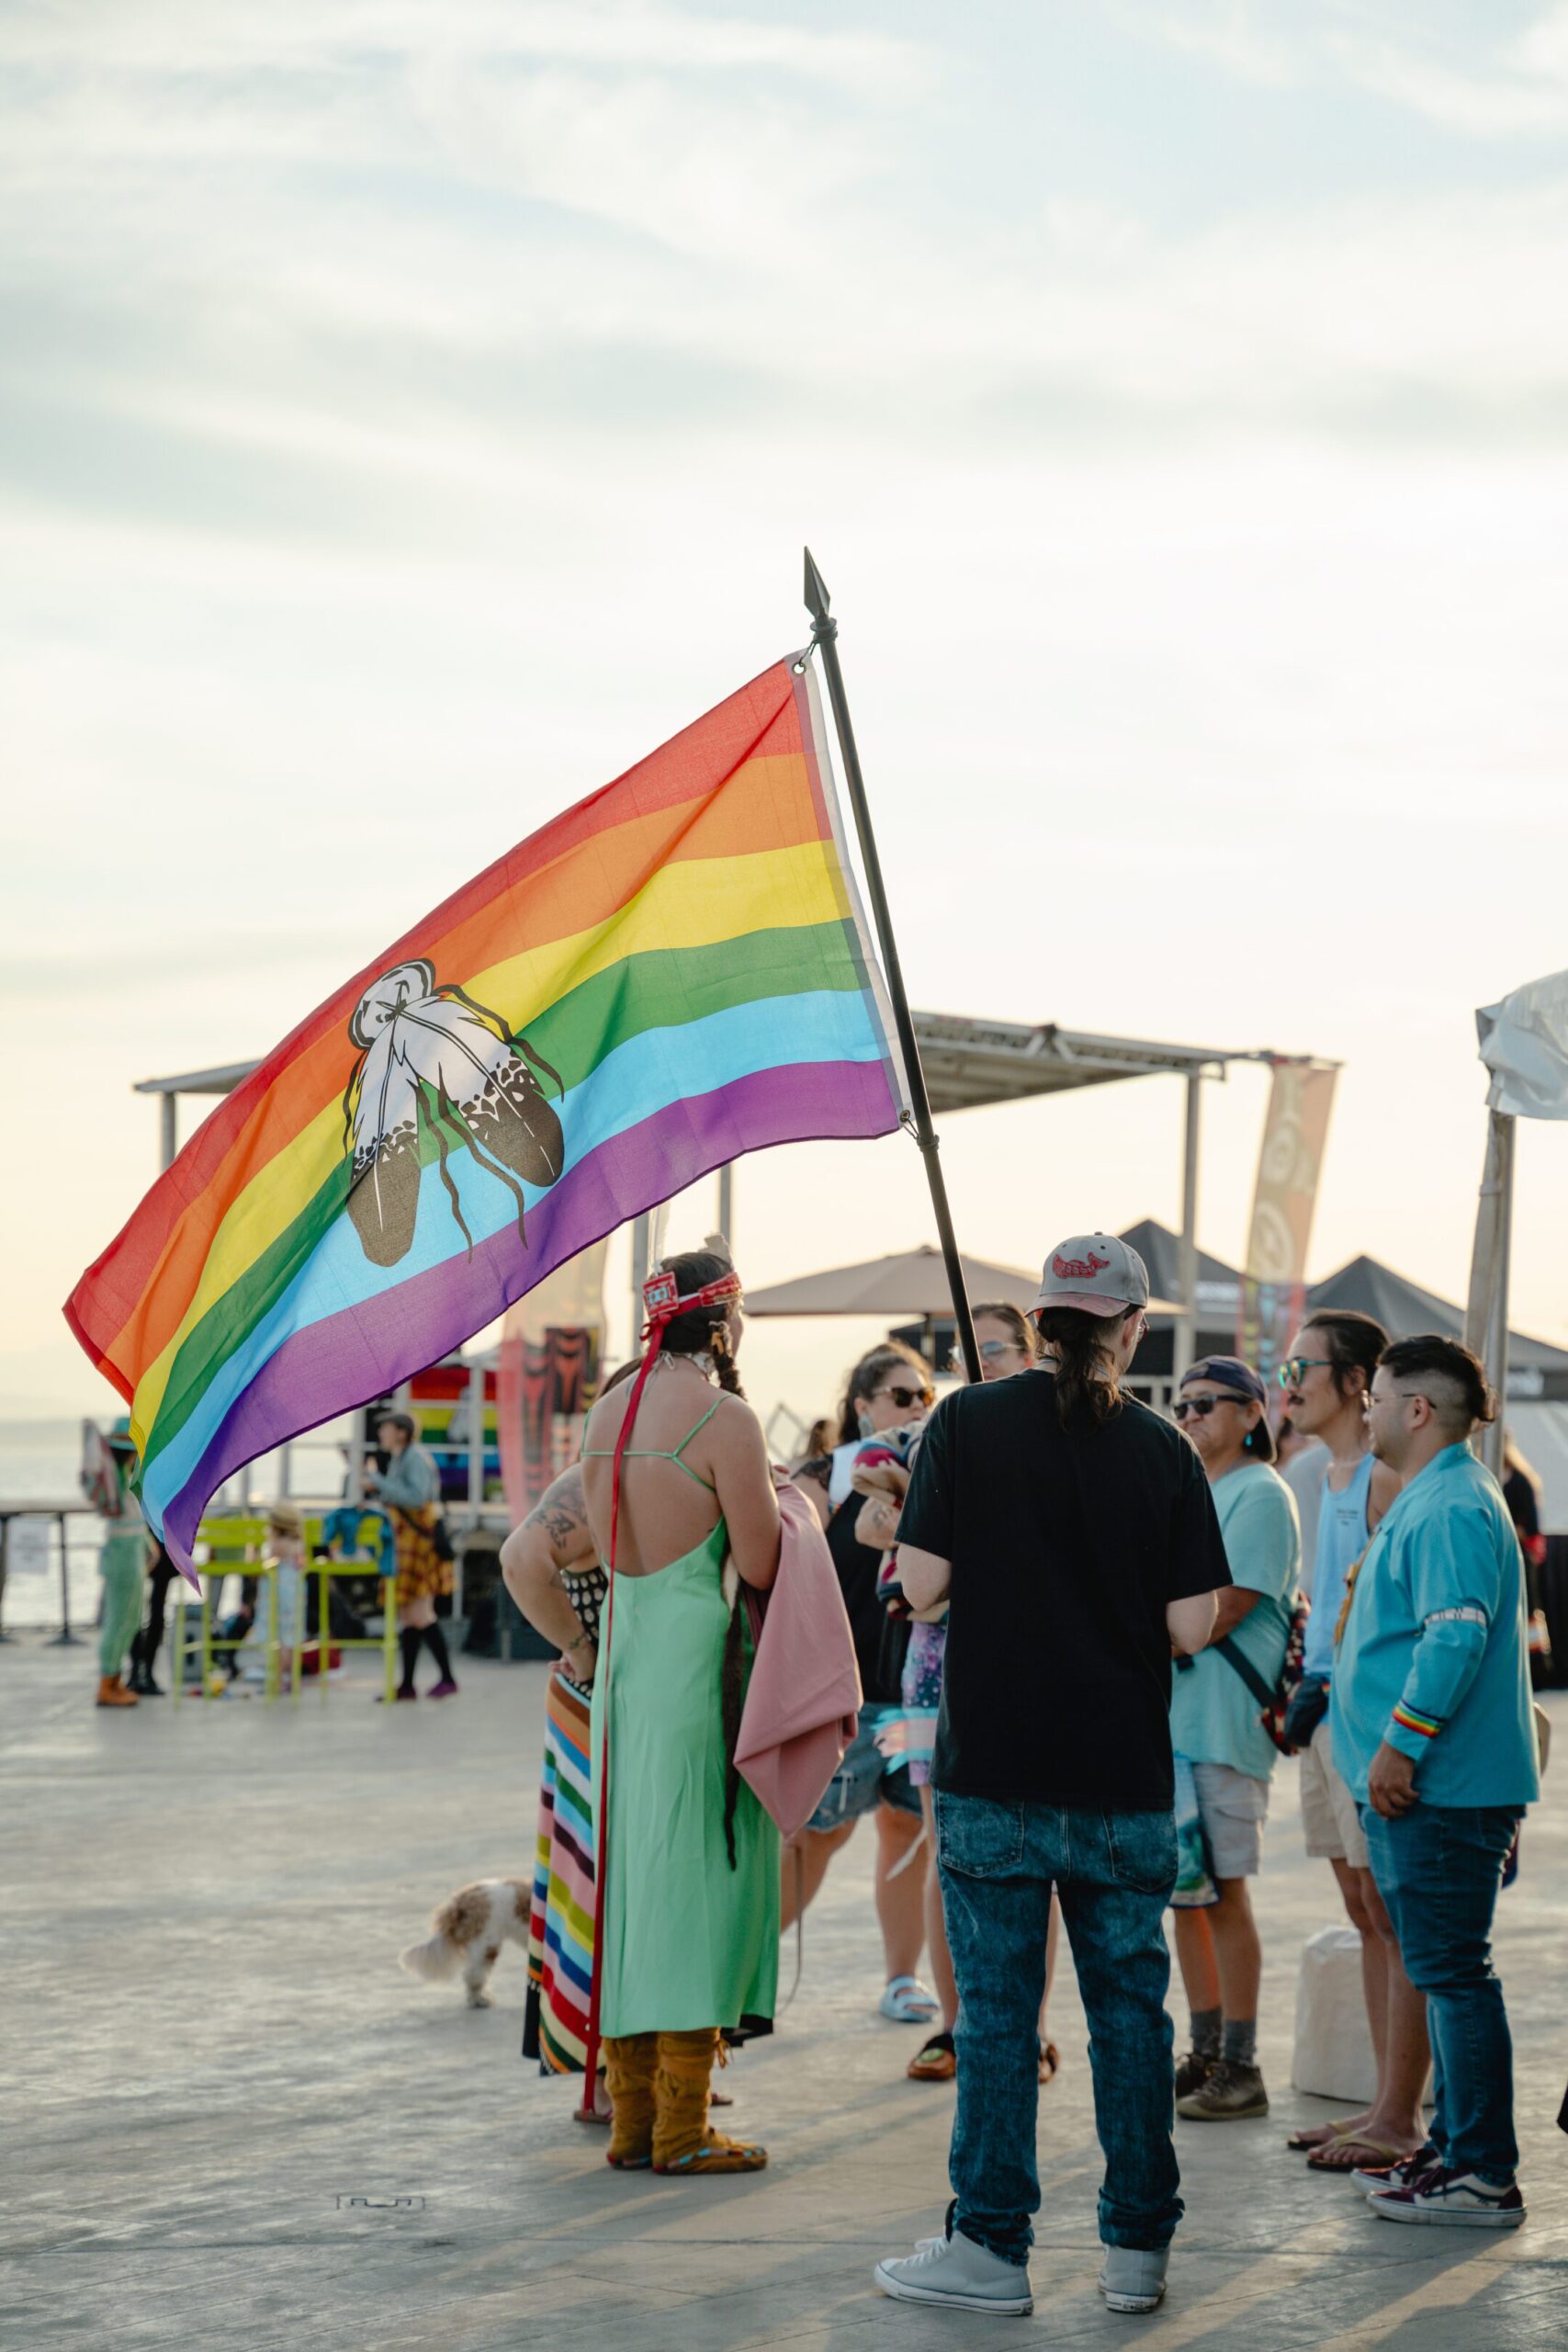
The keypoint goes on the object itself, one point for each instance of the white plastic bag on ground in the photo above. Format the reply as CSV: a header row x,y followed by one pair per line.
x,y
1334,2055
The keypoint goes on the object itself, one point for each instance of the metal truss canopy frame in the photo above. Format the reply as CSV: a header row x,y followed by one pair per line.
x,y
969,1065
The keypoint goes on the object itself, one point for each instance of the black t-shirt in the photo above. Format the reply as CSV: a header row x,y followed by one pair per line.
x,y
1066,1544
879,1644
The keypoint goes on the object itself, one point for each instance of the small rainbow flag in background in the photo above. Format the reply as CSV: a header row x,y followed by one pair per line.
x,y
673,972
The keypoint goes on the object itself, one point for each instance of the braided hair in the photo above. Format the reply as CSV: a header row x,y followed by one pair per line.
x,y
705,1330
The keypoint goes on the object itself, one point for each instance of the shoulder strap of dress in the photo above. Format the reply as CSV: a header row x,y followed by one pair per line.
x,y
676,1452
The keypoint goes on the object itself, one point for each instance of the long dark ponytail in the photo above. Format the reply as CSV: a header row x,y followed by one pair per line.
x,y
1087,1377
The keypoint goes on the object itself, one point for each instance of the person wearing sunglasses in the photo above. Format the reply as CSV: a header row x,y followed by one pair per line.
x,y
889,1391
1073,1535
1326,1379
1215,1725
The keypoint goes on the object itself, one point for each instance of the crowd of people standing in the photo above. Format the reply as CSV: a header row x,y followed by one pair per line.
x,y
1159,1564
1041,1514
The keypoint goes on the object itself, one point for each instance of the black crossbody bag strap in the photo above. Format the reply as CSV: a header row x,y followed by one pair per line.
x,y
1241,1664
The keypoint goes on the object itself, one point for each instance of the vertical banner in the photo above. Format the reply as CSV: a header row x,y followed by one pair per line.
x,y
1274,1288
547,1375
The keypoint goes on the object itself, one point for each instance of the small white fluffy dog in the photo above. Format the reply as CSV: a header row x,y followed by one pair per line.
x,y
469,1930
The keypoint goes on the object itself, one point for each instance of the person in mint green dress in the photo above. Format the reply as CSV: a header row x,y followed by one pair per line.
x,y
688,1950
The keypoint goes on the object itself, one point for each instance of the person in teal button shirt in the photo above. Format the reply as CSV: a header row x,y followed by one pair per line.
x,y
1432,1727
1216,1733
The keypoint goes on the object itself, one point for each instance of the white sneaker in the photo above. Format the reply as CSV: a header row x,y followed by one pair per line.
x,y
1440,2195
1132,2279
957,2272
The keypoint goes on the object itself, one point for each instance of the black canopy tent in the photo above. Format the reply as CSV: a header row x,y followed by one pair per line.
x,y
1537,1371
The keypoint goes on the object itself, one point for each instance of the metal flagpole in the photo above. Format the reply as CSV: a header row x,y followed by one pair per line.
x,y
1492,1349
824,635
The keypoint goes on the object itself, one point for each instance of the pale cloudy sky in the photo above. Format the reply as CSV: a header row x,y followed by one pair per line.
x,y
411,414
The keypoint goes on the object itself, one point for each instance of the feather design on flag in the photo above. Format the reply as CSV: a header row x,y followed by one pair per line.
x,y
436,1062
670,973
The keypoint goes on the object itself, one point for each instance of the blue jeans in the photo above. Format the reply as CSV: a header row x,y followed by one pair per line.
x,y
863,1780
1437,1869
1114,1873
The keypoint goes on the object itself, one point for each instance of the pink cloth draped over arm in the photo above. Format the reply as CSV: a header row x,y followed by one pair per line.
x,y
805,1690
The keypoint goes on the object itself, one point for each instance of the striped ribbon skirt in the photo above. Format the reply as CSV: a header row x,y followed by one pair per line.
x,y
561,1924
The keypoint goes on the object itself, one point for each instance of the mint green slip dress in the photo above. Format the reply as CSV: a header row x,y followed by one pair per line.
x,y
688,1941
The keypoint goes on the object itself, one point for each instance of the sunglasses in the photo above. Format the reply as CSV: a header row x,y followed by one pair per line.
x,y
1294,1369
1203,1406
990,1351
904,1398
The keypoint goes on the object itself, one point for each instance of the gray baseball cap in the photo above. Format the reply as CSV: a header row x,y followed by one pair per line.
x,y
1095,1273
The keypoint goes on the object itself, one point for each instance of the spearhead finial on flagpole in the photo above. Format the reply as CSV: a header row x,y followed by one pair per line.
x,y
823,625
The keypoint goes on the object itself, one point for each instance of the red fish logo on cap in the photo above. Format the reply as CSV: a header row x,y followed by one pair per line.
x,y
1085,1269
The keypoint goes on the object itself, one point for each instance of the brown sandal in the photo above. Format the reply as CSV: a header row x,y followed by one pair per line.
x,y
937,2062
1050,2062
1350,2151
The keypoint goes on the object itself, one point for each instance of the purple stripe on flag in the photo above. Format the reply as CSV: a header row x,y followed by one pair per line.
x,y
347,1359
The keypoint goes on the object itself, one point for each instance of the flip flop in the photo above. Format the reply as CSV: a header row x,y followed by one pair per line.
x,y
1319,2135
1348,2153
906,2000
1050,2062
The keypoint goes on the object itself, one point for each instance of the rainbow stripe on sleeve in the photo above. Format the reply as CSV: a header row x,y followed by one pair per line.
x,y
1426,1727
674,972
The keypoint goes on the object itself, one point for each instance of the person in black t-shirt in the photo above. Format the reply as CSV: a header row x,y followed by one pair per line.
x,y
1073,1534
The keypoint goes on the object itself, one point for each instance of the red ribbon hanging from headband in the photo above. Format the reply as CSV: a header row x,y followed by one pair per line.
x,y
663,1303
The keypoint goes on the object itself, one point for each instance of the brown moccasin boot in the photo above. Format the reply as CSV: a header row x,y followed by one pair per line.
x,y
682,2139
112,1692
629,2063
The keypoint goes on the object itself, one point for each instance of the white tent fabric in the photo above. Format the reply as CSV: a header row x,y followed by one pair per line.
x,y
1524,1044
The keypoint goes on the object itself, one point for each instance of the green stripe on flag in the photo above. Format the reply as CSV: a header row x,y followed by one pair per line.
x,y
665,987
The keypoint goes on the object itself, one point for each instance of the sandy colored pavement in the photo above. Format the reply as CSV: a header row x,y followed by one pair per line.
x,y
230,2120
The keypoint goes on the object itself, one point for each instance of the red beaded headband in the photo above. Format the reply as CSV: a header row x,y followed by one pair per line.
x,y
661,1298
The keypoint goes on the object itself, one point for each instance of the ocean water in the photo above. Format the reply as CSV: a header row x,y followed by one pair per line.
x,y
39,1462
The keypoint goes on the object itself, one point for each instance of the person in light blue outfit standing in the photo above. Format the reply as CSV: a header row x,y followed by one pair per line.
x,y
1326,1379
1431,1724
1214,1710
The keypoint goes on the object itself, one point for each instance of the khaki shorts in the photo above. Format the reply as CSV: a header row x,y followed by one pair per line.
x,y
1232,1807
1329,1817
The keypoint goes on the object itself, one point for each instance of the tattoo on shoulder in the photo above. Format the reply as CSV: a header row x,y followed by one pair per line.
x,y
562,1511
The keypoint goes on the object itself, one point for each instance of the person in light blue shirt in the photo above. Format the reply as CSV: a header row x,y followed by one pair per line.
x,y
1326,1377
1215,1730
1432,1727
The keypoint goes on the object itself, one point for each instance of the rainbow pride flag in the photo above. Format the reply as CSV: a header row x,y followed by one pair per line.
x,y
673,972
